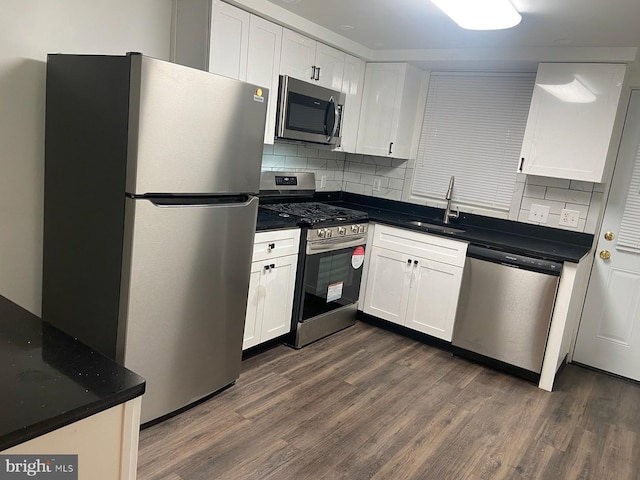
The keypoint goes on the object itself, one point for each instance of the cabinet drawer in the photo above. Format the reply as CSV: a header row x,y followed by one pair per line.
x,y
432,247
275,243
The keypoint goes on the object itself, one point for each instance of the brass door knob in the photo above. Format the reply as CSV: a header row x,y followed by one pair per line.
x,y
609,236
605,254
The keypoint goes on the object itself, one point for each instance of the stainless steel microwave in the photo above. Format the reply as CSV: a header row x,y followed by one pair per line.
x,y
308,112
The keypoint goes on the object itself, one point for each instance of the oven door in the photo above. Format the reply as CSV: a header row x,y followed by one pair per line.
x,y
332,275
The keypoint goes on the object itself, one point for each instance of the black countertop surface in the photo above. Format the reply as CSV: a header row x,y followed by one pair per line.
x,y
50,380
515,237
270,220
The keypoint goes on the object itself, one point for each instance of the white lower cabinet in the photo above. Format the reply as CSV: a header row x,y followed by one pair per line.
x,y
271,286
414,280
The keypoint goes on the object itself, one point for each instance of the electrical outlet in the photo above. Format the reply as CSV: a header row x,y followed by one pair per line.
x,y
323,181
376,184
539,213
569,218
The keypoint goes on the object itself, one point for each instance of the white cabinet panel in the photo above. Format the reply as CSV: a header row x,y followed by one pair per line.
x,y
279,283
330,63
387,288
271,287
571,119
298,56
263,65
275,243
311,61
405,285
352,85
389,108
253,317
228,41
433,300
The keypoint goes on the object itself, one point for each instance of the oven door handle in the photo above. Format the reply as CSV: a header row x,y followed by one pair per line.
x,y
323,246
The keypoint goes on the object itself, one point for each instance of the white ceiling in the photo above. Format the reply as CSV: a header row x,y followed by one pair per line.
x,y
418,24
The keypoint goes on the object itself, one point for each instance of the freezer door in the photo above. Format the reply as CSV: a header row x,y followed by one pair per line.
x,y
184,298
194,132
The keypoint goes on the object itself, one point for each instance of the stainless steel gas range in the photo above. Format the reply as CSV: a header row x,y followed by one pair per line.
x,y
331,255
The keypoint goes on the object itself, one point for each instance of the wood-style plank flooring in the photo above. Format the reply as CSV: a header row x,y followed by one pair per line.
x,y
366,403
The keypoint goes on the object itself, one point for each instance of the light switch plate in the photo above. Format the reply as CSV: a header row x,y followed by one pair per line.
x,y
539,213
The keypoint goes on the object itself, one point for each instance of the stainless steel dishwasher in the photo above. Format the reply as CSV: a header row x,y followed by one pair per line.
x,y
504,310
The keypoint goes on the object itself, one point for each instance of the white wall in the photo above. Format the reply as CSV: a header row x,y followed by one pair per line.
x,y
29,29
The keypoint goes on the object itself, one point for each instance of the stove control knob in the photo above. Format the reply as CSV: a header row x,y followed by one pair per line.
x,y
321,232
342,231
329,233
354,228
360,228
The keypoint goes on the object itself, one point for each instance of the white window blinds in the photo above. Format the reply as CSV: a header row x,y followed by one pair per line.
x,y
629,237
473,129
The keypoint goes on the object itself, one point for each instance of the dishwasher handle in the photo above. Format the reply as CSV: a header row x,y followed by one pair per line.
x,y
514,260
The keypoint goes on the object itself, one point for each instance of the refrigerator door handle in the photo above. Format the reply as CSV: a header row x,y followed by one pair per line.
x,y
239,201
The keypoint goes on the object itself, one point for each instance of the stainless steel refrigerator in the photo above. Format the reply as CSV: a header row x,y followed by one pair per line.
x,y
149,217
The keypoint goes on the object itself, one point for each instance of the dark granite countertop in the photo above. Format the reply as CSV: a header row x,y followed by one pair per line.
x,y
50,380
270,220
515,237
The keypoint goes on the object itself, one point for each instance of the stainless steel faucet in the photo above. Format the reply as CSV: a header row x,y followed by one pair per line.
x,y
448,214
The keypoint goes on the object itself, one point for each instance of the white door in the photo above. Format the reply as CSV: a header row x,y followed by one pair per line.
x,y
609,334
263,65
433,298
229,41
387,285
298,56
331,64
279,283
255,306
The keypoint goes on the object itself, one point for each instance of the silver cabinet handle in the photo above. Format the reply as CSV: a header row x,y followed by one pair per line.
x,y
390,147
318,73
313,74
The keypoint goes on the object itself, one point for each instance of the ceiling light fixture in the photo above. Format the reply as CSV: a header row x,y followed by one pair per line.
x,y
480,14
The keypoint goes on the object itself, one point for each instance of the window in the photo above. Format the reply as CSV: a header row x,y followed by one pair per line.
x,y
473,128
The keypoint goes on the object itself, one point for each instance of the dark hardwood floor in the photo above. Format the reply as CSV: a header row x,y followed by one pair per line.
x,y
366,403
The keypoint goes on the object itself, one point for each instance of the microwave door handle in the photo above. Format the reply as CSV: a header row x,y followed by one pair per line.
x,y
335,119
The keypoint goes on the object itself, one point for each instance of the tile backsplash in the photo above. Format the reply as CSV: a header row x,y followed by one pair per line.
x,y
387,178
364,174
558,194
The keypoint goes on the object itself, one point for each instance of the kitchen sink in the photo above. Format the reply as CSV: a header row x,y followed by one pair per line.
x,y
434,227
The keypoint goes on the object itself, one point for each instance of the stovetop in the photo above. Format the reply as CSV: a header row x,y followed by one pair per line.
x,y
314,213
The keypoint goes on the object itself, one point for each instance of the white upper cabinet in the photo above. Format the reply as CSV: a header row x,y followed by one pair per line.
x,y
390,103
311,61
329,66
228,41
217,37
570,121
352,84
263,65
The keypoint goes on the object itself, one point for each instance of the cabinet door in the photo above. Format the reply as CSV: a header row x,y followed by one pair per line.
x,y
229,41
298,55
387,290
352,84
433,298
380,108
263,65
331,64
279,283
255,305
571,119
